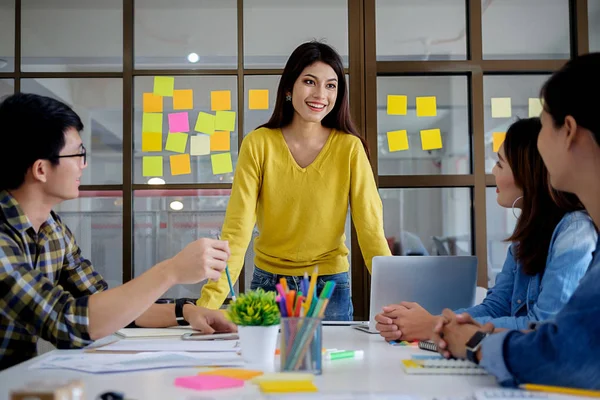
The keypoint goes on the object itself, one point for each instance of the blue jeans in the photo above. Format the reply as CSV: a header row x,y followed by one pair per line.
x,y
339,307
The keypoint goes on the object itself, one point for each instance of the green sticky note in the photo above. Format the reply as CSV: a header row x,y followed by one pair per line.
x,y
152,122
176,142
205,123
164,85
221,163
225,121
152,166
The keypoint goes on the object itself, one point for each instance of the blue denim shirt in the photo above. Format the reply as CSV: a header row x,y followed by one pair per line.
x,y
518,299
563,352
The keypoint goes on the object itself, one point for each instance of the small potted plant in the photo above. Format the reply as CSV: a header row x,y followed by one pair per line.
x,y
257,316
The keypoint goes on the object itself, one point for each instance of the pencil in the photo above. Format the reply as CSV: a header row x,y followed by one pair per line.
x,y
561,390
228,276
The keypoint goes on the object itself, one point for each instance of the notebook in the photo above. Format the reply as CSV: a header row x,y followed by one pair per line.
x,y
516,394
431,365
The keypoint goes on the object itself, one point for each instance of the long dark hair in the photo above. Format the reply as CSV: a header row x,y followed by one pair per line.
x,y
543,206
307,54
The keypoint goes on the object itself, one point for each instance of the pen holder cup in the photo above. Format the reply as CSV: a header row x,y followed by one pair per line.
x,y
301,345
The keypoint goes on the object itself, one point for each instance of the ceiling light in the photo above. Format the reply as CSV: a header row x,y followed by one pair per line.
x,y
176,205
193,57
156,181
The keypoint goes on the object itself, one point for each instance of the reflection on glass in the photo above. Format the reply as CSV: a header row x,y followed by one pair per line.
x,y
428,221
500,224
7,33
72,35
99,104
594,24
451,119
96,220
418,30
7,87
274,28
533,29
183,34
199,167
519,89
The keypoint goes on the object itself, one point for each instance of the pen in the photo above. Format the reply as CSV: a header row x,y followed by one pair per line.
x,y
561,390
338,355
228,276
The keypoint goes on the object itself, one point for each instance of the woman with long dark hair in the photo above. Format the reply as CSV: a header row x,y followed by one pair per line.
x,y
295,178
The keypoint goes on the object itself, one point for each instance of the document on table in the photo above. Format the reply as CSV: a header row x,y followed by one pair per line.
x,y
104,363
166,344
129,333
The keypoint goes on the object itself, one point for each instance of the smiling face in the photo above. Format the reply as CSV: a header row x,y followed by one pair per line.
x,y
315,92
506,188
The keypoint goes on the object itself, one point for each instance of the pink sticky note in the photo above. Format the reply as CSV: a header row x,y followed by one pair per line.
x,y
179,122
208,382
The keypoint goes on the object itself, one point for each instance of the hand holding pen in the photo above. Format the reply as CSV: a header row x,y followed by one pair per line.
x,y
233,298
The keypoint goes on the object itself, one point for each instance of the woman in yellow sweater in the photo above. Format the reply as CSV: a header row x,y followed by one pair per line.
x,y
295,178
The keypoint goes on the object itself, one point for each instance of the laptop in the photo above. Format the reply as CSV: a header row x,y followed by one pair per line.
x,y
435,282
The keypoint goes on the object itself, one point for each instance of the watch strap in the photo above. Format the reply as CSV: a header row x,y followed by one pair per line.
x,y
179,303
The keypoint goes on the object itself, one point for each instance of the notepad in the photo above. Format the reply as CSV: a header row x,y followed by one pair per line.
x,y
208,382
283,376
441,366
139,333
506,394
236,373
287,386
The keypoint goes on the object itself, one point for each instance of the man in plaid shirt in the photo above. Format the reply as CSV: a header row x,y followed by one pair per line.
x,y
47,288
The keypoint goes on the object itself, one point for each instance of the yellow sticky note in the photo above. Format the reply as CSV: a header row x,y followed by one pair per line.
x,y
219,141
426,106
258,99
501,107
225,121
220,100
431,139
498,139
151,141
397,140
183,99
176,142
221,163
236,373
180,164
397,105
164,85
205,123
287,386
152,122
535,107
152,103
200,145
152,166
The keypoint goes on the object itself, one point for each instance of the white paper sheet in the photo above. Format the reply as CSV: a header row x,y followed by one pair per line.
x,y
166,344
154,332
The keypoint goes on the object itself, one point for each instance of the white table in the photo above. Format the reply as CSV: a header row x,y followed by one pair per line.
x,y
379,372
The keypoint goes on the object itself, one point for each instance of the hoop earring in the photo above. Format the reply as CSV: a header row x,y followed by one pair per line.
x,y
288,97
513,206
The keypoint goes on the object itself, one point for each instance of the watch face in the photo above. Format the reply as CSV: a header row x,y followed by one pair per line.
x,y
475,339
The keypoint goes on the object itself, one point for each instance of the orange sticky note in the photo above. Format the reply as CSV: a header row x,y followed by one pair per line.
x,y
498,139
163,85
180,164
426,106
397,105
152,103
431,139
236,373
220,100
183,99
221,163
151,141
219,141
397,140
258,99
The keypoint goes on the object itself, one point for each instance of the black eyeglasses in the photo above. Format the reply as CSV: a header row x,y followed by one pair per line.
x,y
82,154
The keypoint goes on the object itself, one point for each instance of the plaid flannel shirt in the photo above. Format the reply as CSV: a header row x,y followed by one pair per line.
x,y
45,285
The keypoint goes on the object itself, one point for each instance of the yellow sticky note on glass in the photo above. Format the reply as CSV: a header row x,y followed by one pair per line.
x,y
205,123
152,122
535,107
225,121
152,103
176,142
426,106
164,85
498,139
183,99
220,100
151,141
219,141
397,105
501,107
200,145
221,163
258,99
397,140
431,139
152,166
180,164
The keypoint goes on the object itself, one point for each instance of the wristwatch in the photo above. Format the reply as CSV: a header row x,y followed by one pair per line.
x,y
474,344
179,303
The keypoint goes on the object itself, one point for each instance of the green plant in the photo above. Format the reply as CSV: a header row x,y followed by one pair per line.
x,y
254,308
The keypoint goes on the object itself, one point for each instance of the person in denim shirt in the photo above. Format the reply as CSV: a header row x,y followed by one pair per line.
x,y
566,350
551,248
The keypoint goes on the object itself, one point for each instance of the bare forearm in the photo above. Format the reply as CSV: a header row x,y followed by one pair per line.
x,y
113,309
159,316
